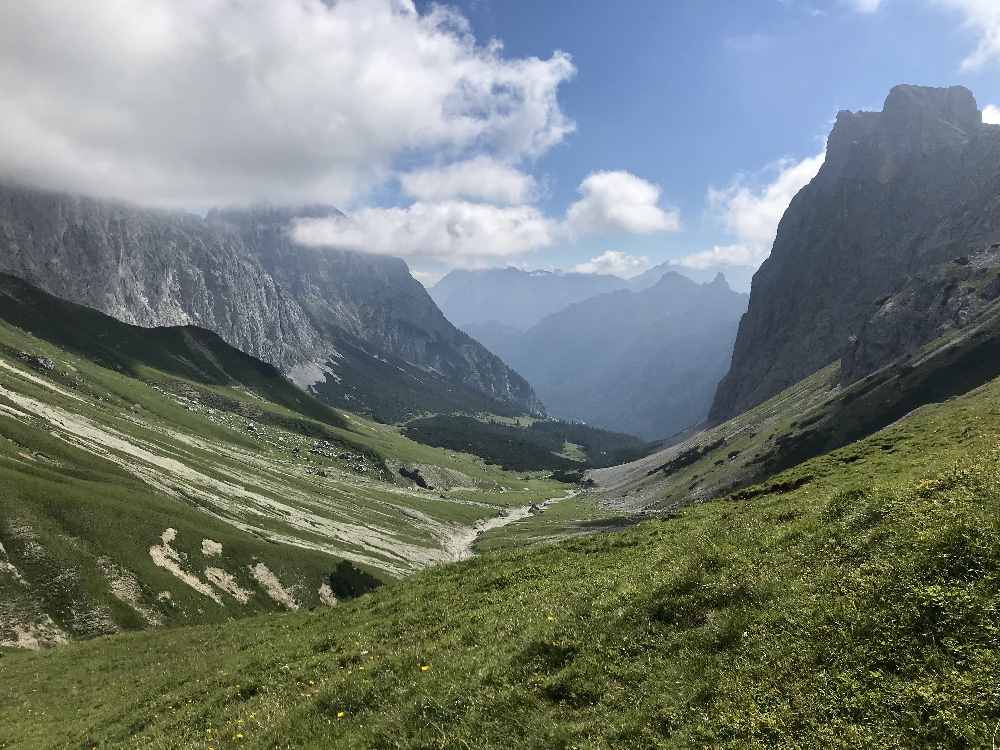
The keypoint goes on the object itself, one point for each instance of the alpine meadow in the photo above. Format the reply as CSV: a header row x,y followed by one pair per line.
x,y
493,375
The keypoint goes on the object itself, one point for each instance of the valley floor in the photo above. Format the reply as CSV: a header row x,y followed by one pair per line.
x,y
850,602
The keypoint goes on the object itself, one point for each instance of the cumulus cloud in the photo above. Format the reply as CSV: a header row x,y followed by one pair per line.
x,y
620,201
479,178
196,103
615,263
457,231
991,114
982,17
465,232
723,255
751,214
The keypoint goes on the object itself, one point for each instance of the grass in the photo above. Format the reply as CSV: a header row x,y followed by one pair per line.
x,y
580,514
850,602
107,441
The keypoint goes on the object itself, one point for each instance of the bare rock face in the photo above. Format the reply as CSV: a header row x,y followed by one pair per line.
x,y
870,256
365,332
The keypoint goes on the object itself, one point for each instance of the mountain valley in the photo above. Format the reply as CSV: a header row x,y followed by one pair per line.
x,y
642,362
259,494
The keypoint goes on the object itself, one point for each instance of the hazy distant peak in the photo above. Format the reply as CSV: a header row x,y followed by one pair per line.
x,y
720,281
673,277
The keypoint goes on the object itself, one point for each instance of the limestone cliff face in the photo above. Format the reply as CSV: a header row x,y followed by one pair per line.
x,y
902,195
366,331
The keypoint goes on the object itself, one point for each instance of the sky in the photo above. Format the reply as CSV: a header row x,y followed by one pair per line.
x,y
572,134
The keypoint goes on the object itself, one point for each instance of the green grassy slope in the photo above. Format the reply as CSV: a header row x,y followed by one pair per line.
x,y
849,602
157,477
185,352
816,415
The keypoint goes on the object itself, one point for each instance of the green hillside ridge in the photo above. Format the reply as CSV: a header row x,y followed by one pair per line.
x,y
158,477
848,602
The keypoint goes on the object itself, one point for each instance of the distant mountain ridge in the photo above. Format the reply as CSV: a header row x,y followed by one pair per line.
x,y
890,245
357,329
643,362
515,298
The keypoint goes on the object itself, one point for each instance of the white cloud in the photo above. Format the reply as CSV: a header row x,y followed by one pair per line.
x,y
196,103
619,201
616,263
991,114
463,233
723,255
752,214
865,6
479,178
982,17
456,231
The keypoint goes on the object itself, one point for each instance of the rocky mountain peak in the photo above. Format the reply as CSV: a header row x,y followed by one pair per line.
x,y
901,192
914,107
914,120
720,281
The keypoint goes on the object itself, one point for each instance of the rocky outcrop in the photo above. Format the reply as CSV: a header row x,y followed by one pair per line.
x,y
903,194
357,329
931,304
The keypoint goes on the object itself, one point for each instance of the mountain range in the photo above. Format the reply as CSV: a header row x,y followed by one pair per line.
x,y
516,299
643,361
355,329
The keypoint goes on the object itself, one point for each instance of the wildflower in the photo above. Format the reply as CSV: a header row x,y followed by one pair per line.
x,y
341,714
424,667
551,618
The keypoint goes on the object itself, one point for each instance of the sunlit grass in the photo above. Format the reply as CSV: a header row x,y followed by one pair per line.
x,y
858,609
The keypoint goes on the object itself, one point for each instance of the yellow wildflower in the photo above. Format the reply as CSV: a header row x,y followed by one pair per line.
x,y
341,714
424,667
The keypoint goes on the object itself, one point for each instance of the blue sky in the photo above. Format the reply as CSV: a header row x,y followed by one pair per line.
x,y
691,94
578,134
